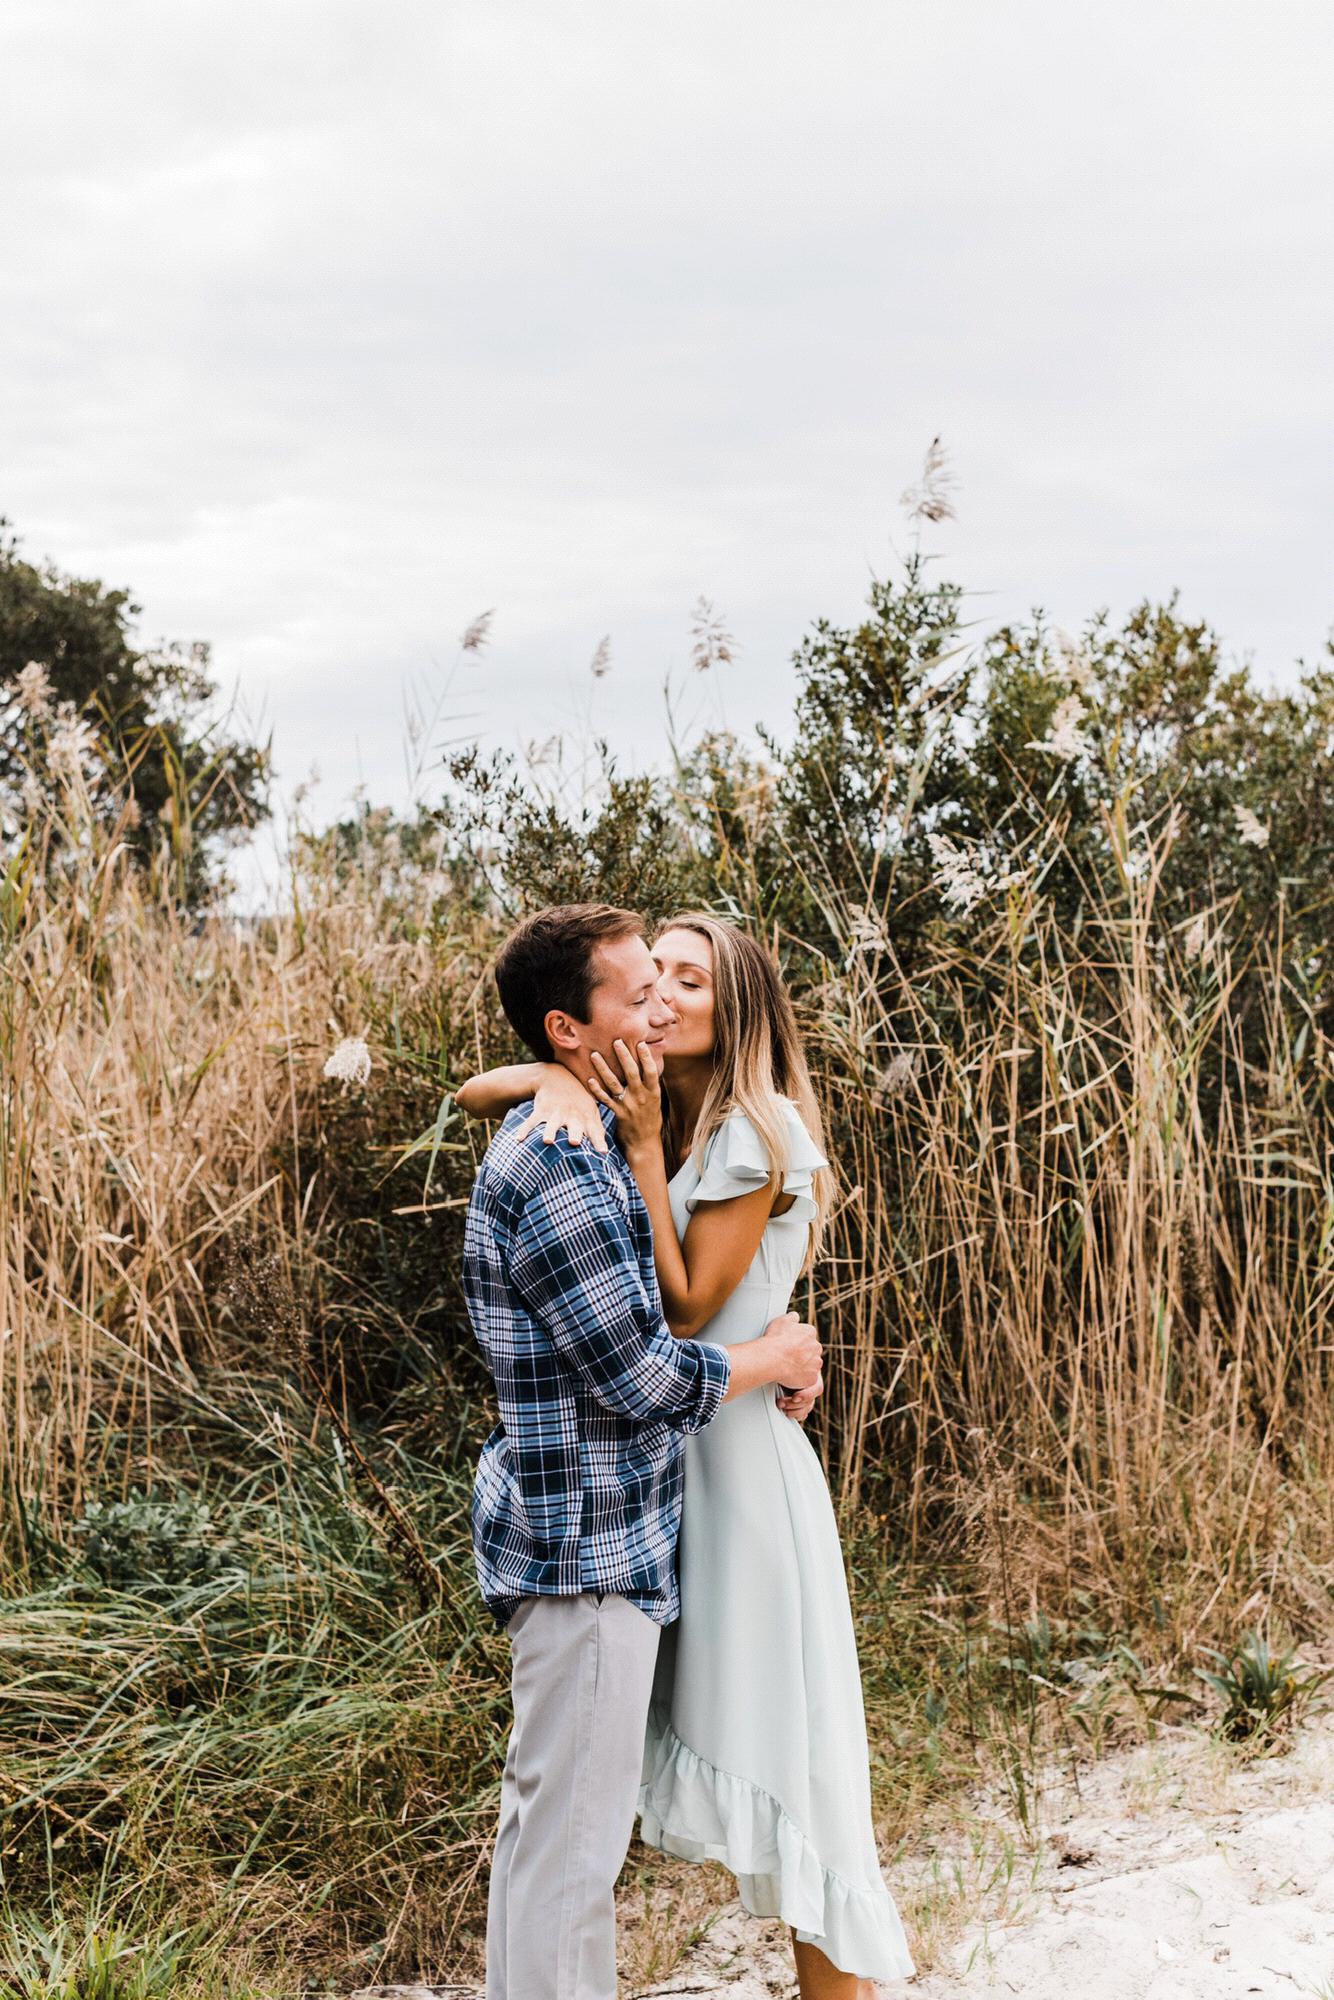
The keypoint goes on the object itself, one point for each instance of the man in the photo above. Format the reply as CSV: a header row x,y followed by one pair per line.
x,y
577,1502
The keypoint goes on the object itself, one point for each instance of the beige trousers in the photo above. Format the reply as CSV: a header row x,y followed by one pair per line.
x,y
582,1676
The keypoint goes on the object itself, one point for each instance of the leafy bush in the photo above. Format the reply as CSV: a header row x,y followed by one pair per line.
x,y
150,1539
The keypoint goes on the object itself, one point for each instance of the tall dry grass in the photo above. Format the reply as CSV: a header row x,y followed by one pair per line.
x,y
1085,1257
163,1093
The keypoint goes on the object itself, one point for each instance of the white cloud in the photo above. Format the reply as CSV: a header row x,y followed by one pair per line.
x,y
325,327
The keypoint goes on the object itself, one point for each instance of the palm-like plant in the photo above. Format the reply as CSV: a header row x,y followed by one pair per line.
x,y
1262,1694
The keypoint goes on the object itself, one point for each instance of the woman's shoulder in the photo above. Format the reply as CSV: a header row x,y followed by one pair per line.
x,y
738,1133
736,1158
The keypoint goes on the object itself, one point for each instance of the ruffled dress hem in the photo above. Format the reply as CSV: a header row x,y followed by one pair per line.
x,y
778,1872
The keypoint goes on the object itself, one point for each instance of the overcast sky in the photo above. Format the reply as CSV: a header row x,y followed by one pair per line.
x,y
328,326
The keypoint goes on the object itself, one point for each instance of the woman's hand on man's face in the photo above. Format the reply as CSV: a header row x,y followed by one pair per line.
x,y
635,1096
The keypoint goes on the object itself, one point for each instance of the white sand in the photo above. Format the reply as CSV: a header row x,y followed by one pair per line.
x,y
1181,1873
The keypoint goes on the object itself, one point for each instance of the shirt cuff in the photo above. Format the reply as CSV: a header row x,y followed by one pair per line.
x,y
717,1368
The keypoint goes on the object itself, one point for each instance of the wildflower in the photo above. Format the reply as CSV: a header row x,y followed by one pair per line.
x,y
71,744
897,1075
1250,830
929,500
33,687
32,795
538,751
600,663
957,879
867,933
712,645
350,1061
477,633
1193,942
1073,657
1064,739
963,879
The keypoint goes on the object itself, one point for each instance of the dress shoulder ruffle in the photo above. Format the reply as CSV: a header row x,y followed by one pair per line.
x,y
735,1163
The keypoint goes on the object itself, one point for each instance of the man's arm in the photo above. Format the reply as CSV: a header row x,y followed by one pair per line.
x,y
575,1268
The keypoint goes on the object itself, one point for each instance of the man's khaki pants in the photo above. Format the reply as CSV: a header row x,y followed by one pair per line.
x,y
583,1673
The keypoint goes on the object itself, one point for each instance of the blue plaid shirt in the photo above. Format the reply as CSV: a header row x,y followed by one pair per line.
x,y
579,1485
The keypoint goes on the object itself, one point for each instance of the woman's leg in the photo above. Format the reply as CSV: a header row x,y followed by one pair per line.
x,y
819,1980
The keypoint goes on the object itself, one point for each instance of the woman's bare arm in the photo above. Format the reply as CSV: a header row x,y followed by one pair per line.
x,y
497,1091
559,1099
698,1275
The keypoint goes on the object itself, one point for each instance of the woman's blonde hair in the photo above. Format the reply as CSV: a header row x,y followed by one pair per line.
x,y
758,1054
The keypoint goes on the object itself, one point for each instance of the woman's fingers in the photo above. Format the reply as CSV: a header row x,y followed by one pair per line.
x,y
596,1136
799,1405
606,1074
640,1069
629,1063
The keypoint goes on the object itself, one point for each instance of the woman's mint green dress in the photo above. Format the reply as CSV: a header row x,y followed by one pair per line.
x,y
756,1747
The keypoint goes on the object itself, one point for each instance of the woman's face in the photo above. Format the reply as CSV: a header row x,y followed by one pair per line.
x,y
685,983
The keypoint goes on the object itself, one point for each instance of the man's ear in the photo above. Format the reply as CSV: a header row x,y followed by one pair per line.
x,y
561,1030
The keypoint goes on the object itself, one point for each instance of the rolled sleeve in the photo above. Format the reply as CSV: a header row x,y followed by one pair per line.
x,y
576,1269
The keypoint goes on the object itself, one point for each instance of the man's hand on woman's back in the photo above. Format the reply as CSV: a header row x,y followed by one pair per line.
x,y
788,1351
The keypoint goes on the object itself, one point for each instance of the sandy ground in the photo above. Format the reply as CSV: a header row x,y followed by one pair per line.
x,y
1172,1872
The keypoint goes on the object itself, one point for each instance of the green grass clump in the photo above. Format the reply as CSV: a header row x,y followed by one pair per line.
x,y
235,1702
1263,1694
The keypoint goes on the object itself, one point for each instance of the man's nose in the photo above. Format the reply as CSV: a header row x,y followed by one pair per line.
x,y
662,1014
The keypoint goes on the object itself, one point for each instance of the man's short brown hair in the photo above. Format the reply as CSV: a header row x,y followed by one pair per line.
x,y
549,962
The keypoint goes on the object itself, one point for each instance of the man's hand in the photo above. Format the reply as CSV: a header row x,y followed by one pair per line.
x,y
799,1406
787,1352
795,1351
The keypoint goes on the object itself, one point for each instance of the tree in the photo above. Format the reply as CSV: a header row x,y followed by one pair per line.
x,y
69,672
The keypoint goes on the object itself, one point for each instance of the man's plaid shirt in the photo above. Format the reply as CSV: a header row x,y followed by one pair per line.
x,y
579,1485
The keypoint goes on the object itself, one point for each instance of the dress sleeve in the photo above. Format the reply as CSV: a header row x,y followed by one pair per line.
x,y
735,1162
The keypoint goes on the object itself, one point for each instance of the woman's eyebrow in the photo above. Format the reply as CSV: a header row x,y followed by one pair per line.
x,y
685,965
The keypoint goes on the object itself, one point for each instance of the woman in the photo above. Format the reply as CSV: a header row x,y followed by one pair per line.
x,y
756,1749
